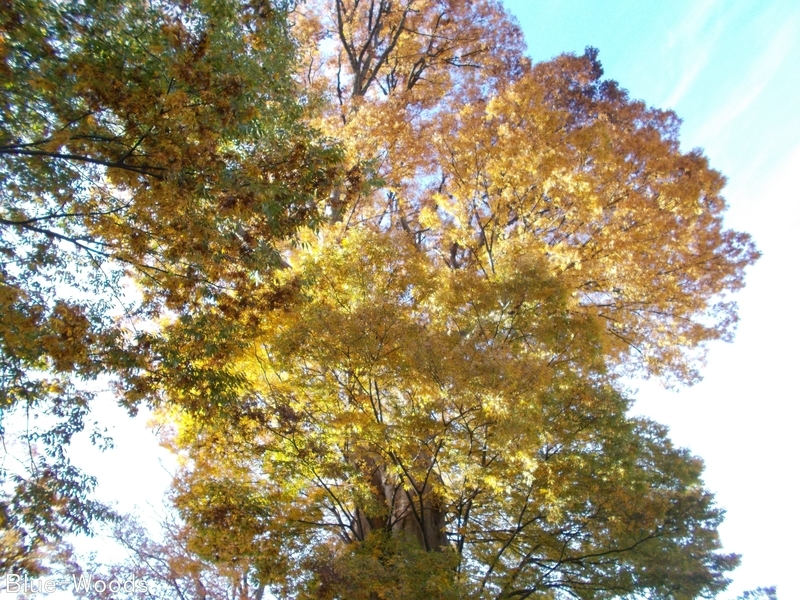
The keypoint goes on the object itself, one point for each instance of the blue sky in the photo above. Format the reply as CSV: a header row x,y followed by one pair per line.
x,y
731,70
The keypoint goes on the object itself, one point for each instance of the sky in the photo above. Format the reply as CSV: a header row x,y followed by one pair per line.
x,y
730,70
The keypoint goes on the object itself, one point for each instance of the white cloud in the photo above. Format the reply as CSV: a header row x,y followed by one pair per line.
x,y
762,71
691,42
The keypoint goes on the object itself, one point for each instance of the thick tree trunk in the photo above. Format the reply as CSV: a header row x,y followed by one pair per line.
x,y
411,507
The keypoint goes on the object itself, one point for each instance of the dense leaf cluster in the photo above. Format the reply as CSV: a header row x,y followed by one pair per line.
x,y
157,142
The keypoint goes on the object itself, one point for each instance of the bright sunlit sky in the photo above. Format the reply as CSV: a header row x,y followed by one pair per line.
x,y
731,70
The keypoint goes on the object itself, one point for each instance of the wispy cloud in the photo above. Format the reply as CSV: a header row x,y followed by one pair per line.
x,y
762,70
691,43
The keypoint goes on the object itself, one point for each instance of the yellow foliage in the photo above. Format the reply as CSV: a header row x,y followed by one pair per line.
x,y
508,240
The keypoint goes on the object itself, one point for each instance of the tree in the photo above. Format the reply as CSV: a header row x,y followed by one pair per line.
x,y
470,416
768,593
419,396
436,410
552,157
157,143
154,569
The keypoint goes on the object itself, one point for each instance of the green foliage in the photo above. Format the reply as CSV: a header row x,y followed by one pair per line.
x,y
386,567
160,144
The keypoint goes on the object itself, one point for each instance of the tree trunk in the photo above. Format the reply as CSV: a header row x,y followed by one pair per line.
x,y
411,507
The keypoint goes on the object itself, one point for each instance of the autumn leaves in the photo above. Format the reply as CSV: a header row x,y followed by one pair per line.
x,y
396,273
517,238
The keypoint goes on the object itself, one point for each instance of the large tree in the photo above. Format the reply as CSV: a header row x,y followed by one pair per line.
x,y
435,411
418,396
160,144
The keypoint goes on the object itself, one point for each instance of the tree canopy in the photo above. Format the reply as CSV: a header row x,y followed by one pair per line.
x,y
392,367
161,143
